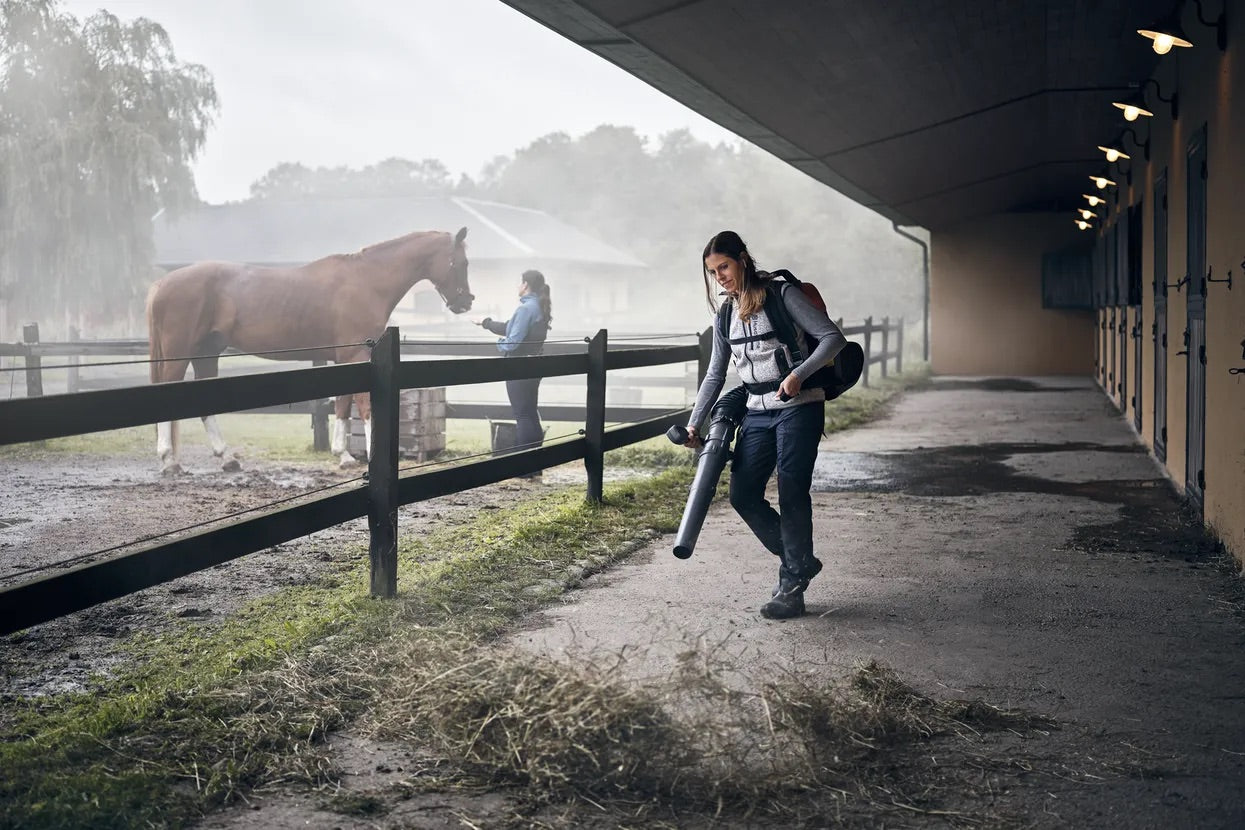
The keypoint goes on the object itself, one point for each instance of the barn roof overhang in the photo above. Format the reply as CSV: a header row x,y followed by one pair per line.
x,y
929,112
290,232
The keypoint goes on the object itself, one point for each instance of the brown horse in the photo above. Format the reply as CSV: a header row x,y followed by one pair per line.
x,y
328,307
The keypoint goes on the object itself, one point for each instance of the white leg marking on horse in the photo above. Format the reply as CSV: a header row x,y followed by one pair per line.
x,y
164,440
367,432
214,437
169,464
338,444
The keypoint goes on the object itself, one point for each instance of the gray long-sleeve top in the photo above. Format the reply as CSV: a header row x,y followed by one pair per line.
x,y
830,341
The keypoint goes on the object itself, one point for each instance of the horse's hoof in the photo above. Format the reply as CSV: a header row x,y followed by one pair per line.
x,y
172,471
233,465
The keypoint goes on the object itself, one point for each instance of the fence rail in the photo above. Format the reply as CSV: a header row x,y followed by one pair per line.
x,y
383,490
32,351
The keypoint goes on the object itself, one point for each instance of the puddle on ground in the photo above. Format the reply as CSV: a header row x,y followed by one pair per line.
x,y
1067,469
1151,517
1000,385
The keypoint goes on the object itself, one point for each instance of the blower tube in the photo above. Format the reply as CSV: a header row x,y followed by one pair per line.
x,y
724,418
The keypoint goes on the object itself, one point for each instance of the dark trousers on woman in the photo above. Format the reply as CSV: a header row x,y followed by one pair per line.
x,y
523,396
785,439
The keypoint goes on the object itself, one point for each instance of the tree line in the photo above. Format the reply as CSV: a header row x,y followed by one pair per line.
x,y
661,200
100,123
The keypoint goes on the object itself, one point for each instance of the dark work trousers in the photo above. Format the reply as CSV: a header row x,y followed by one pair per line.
x,y
787,439
523,395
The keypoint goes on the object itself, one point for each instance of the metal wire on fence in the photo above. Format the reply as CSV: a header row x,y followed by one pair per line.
x,y
199,357
62,563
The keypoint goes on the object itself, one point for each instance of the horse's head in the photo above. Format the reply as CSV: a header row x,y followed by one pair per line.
x,y
449,277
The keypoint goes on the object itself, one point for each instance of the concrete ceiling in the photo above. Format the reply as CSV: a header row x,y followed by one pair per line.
x,y
931,112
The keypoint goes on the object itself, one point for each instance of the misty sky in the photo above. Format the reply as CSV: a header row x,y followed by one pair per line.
x,y
328,83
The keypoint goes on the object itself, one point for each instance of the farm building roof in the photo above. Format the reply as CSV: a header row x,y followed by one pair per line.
x,y
265,232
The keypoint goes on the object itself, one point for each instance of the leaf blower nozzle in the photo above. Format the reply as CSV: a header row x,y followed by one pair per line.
x,y
724,418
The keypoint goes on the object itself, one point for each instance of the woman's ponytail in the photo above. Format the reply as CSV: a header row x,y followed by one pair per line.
x,y
536,282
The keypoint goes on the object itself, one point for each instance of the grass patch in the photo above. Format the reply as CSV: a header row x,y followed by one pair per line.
x,y
861,404
273,437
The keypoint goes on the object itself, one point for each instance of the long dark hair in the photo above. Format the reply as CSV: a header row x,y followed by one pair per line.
x,y
752,291
536,283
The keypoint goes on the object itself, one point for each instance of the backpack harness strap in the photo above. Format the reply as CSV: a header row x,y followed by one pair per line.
x,y
784,331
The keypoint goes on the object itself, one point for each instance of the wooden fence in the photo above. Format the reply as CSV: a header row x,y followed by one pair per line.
x,y
31,351
386,488
875,338
40,417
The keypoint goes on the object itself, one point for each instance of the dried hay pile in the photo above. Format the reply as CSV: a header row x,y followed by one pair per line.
x,y
691,745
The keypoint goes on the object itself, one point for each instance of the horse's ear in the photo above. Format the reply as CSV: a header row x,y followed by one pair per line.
x,y
460,236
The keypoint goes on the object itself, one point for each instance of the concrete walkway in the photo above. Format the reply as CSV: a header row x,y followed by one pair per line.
x,y
1004,539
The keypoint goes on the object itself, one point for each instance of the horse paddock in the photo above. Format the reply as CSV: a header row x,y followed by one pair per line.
x,y
59,505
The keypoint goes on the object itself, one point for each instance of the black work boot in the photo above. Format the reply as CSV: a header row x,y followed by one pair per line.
x,y
788,602
803,581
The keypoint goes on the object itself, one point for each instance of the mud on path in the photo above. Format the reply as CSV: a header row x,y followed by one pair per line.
x,y
60,506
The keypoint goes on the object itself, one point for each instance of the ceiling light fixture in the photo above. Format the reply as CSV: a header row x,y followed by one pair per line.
x,y
1166,33
1102,182
1082,224
1086,213
1134,107
1113,154
1094,201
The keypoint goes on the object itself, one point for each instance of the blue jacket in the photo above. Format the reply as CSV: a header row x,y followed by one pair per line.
x,y
524,333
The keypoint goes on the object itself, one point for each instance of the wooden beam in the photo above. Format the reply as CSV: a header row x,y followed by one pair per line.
x,y
55,416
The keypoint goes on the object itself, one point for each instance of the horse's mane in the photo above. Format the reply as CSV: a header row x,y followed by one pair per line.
x,y
383,247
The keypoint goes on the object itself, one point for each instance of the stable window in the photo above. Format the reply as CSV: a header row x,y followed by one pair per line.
x,y
1068,278
1134,254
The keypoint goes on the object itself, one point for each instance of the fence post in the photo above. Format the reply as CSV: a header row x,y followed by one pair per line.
x,y
319,420
72,381
864,376
34,363
899,348
382,470
886,334
594,420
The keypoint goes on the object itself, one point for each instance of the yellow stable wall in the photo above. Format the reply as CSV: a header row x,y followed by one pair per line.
x,y
986,315
1211,87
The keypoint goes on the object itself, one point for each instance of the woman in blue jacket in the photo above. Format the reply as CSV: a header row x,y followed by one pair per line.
x,y
522,335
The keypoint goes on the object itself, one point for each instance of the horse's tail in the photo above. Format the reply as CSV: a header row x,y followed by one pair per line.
x,y
155,351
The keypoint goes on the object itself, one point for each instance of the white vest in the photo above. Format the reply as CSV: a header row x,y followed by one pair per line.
x,y
765,361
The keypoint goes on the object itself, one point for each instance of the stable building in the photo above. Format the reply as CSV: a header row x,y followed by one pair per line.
x,y
1075,164
593,283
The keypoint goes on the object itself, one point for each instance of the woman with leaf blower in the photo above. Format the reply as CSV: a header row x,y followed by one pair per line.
x,y
778,338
